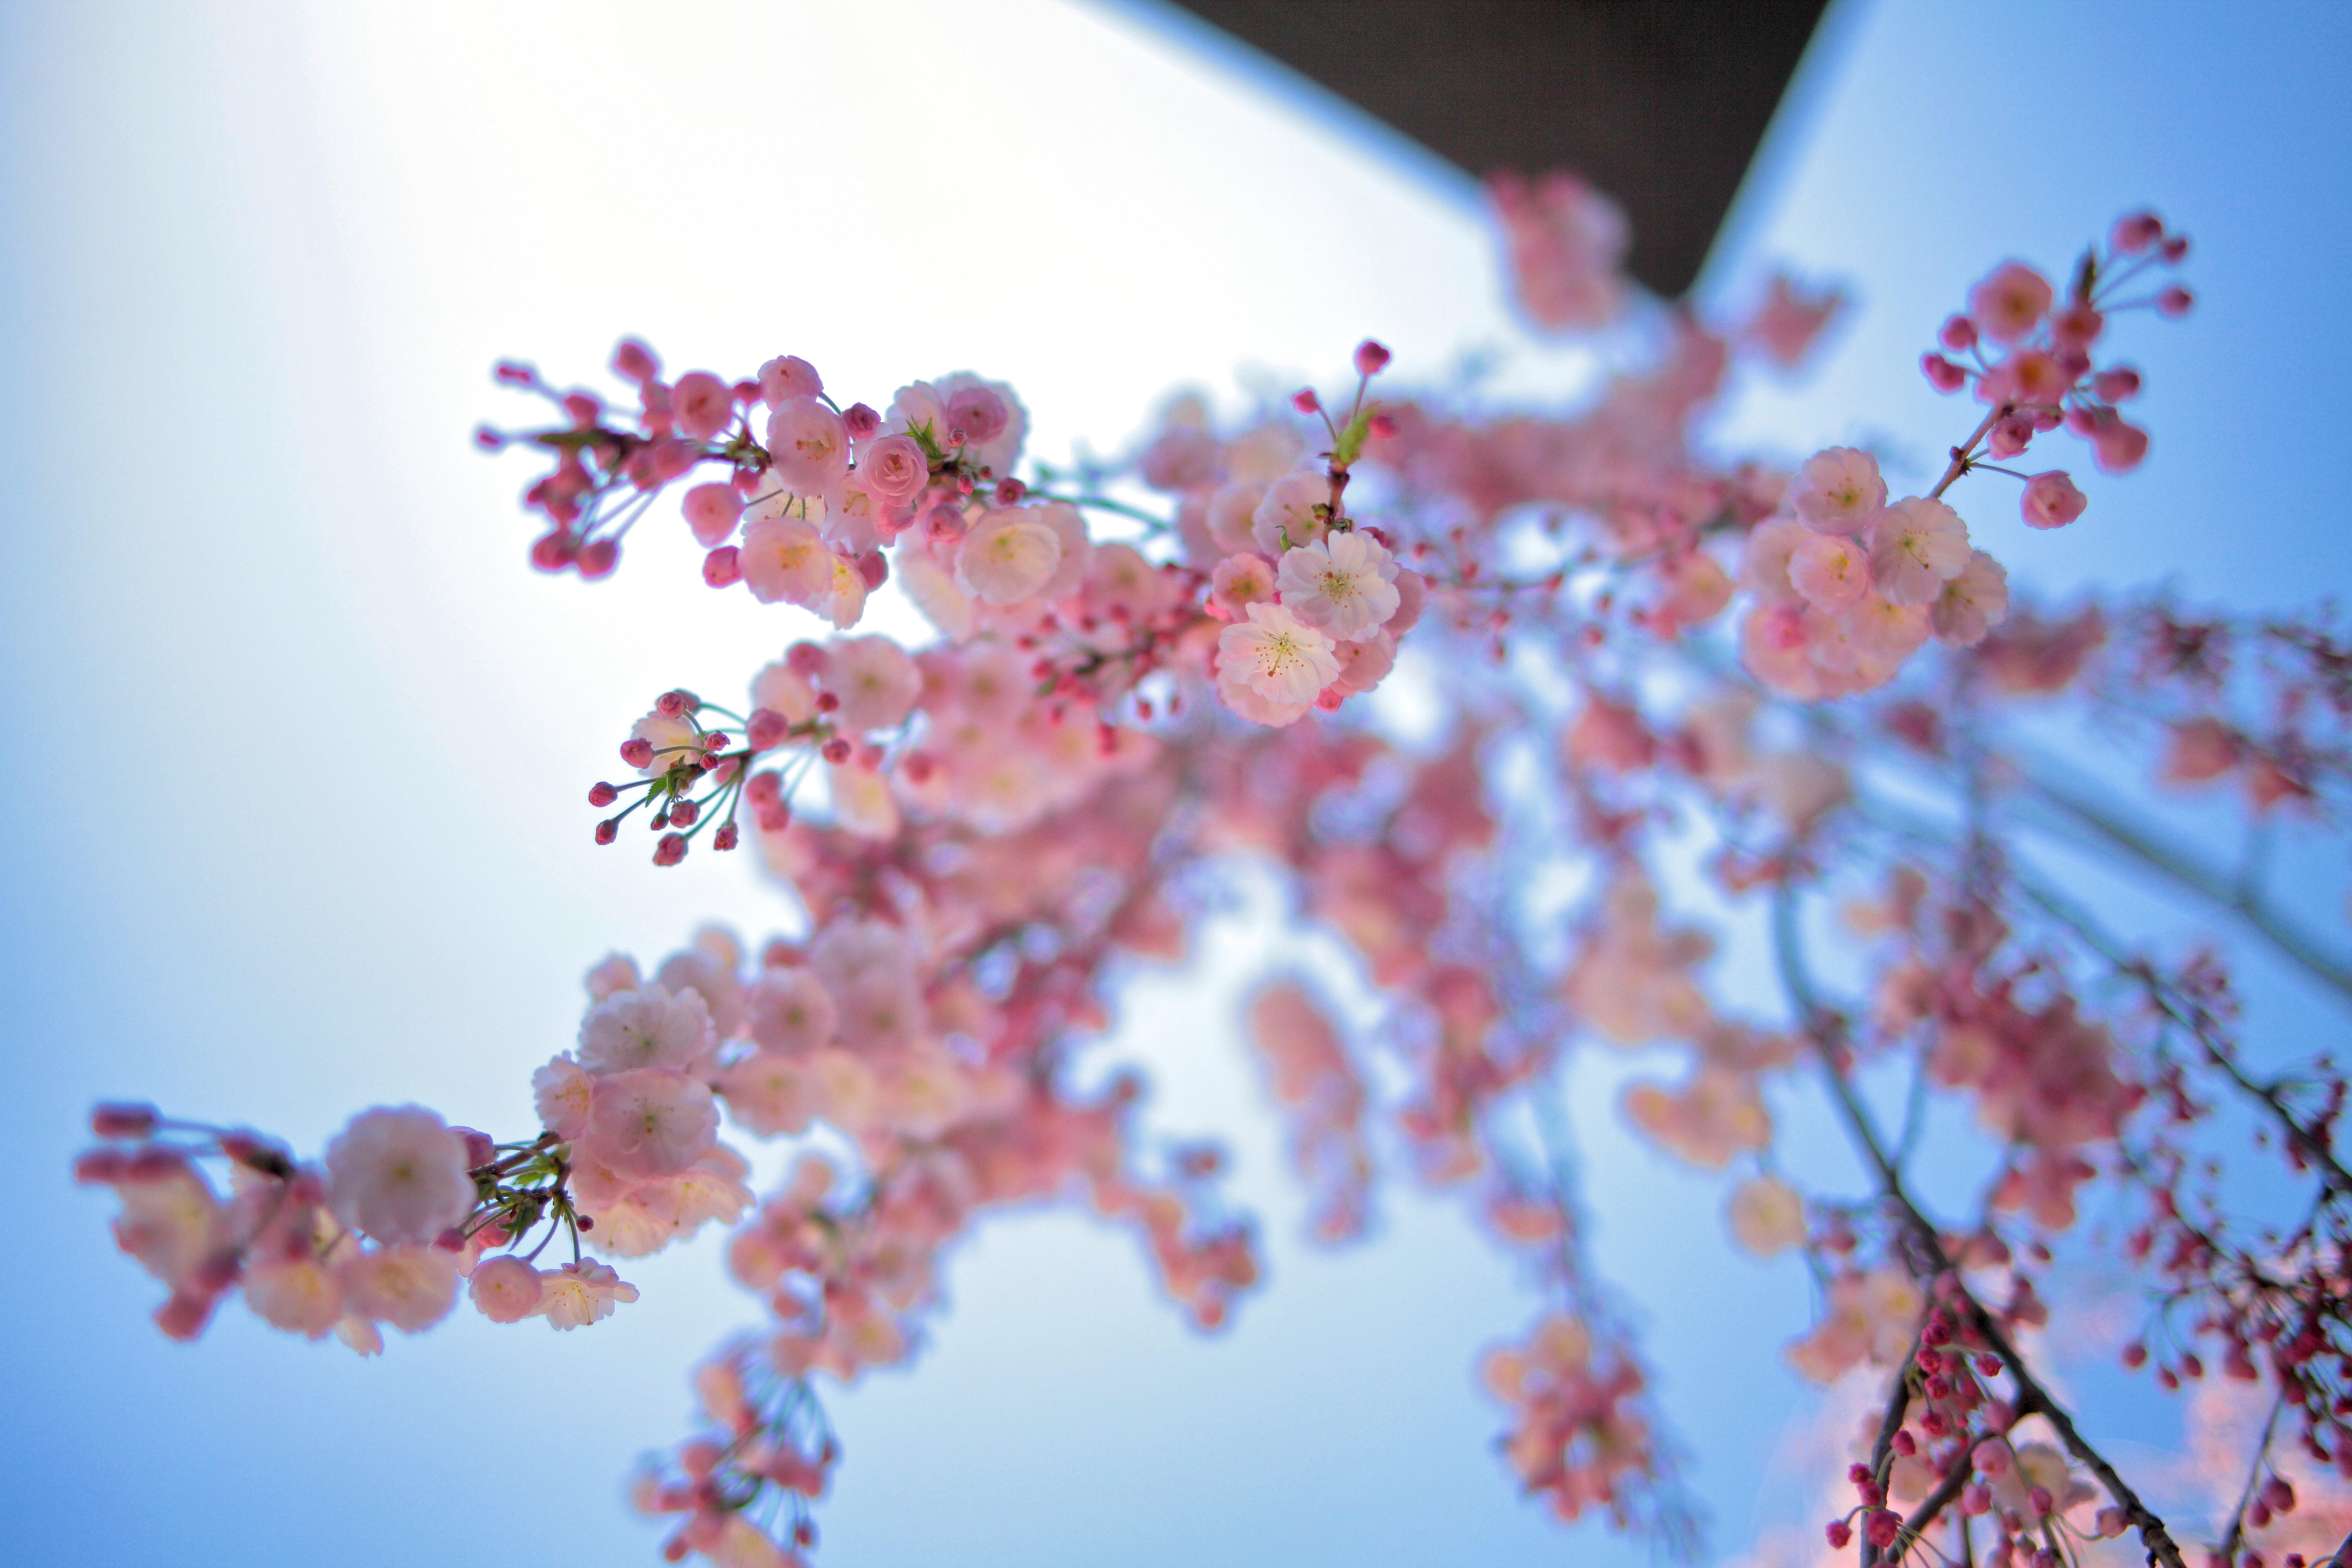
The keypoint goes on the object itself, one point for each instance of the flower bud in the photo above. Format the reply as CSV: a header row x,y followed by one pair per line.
x,y
633,360
117,1120
765,727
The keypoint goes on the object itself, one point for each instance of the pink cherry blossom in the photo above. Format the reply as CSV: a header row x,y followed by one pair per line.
x,y
808,446
1009,555
2011,302
411,1288
1838,491
1231,518
790,1011
785,559
1566,242
648,1122
1275,656
579,1294
506,1289
874,681
1342,583
1287,516
1916,548
561,1091
1767,1215
1239,582
398,1174
1972,604
651,1028
1829,571
893,468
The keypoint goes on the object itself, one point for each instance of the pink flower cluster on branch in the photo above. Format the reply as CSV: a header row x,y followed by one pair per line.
x,y
1703,695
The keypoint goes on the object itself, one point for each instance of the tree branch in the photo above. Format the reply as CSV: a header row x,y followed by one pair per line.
x,y
1825,1030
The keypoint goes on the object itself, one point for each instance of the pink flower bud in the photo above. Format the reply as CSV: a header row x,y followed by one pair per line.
x,y
2175,248
1942,374
1370,358
828,702
2279,1494
101,1167
727,838
766,728
1010,491
723,567
2039,1499
608,830
875,567
685,813
764,790
670,851
711,512
553,551
635,361
1882,1528
487,439
183,1316
2174,301
602,794
670,704
1840,1534
2111,1523
1306,402
637,751
598,558
2117,386
2010,436
808,660
1976,1498
701,404
115,1119
2135,232
836,751
1382,426
861,421
2076,327
1958,334
2119,447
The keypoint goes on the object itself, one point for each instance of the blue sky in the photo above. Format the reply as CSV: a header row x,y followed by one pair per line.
x,y
298,740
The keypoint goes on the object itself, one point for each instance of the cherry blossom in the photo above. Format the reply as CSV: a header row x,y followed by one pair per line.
x,y
1694,701
398,1175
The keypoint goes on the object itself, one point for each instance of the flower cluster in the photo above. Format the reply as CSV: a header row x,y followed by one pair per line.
x,y
1676,696
403,1209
